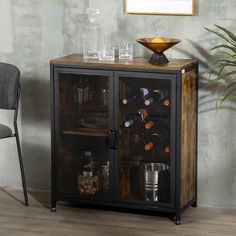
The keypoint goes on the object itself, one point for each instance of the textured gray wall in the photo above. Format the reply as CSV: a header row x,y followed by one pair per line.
x,y
42,29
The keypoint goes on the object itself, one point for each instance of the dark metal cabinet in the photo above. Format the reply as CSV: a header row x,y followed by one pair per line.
x,y
124,135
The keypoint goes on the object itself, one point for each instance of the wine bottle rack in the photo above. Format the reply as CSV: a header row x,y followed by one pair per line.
x,y
137,121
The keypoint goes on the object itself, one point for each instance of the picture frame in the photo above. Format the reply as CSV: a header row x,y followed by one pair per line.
x,y
160,7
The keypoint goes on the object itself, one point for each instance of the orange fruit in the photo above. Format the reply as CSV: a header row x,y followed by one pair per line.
x,y
157,40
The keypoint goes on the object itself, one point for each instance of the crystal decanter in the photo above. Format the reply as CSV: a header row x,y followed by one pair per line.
x,y
91,35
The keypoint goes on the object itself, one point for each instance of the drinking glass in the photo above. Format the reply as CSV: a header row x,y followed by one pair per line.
x,y
106,52
126,51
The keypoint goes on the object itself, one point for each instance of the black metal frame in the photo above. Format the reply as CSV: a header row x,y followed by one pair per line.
x,y
142,75
16,135
192,202
176,81
56,194
178,148
53,141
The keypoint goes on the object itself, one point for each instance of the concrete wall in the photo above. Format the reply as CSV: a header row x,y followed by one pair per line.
x,y
37,30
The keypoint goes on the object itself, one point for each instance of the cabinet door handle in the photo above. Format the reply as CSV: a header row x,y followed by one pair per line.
x,y
109,139
114,139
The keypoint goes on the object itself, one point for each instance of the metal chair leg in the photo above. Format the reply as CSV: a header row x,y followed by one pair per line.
x,y
21,167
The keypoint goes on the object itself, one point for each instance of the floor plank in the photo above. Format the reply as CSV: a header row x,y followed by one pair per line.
x,y
37,219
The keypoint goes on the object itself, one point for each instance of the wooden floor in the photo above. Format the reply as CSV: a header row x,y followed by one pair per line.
x,y
16,219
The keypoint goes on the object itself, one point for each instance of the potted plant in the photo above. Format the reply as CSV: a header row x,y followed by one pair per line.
x,y
224,68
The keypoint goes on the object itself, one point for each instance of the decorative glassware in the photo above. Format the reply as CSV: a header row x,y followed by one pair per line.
x,y
83,92
106,52
91,35
158,46
104,97
126,51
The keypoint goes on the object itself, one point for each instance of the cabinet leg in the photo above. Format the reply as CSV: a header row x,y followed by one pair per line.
x,y
194,204
178,219
53,209
53,206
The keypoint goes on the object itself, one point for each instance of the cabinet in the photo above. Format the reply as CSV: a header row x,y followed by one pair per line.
x,y
124,134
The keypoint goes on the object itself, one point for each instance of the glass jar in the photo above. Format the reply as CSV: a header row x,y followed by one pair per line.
x,y
105,176
88,182
88,164
91,35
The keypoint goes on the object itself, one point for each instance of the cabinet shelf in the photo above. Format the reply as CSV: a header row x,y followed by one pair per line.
x,y
86,132
93,108
100,113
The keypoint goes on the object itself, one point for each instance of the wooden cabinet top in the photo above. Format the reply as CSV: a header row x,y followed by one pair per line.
x,y
139,63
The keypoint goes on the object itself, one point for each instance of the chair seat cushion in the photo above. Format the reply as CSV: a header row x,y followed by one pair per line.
x,y
5,131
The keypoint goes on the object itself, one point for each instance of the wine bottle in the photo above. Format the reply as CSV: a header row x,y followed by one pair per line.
x,y
144,92
138,118
166,102
167,149
129,97
162,110
143,113
154,122
149,124
135,96
155,96
153,140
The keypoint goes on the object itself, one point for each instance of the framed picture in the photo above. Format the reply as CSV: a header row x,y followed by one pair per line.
x,y
162,7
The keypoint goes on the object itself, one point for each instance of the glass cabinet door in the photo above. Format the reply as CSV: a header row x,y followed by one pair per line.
x,y
145,162
83,154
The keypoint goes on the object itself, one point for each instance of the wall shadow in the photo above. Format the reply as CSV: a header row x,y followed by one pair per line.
x,y
36,141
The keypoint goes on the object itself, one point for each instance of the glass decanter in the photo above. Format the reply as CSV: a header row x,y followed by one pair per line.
x,y
91,35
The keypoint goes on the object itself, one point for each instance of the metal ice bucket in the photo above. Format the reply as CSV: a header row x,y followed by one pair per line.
x,y
151,180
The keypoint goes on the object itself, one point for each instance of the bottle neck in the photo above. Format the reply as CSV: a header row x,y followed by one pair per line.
x,y
149,124
143,113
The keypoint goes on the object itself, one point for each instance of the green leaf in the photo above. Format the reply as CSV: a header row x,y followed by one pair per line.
x,y
223,65
229,86
224,82
221,99
224,46
221,69
229,73
229,33
226,62
233,56
215,85
221,78
221,36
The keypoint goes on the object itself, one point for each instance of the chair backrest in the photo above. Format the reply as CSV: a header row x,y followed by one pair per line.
x,y
9,86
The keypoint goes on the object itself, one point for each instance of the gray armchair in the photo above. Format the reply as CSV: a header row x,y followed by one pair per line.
x,y
9,99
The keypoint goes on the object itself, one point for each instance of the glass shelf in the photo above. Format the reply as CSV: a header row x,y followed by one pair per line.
x,y
86,132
